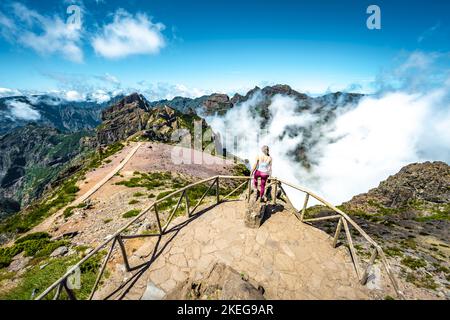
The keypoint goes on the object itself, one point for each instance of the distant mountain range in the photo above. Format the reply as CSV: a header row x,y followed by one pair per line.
x,y
51,111
40,135
71,116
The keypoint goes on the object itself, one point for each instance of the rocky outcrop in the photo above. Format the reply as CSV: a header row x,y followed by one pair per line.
x,y
123,119
134,115
416,185
216,104
254,213
221,283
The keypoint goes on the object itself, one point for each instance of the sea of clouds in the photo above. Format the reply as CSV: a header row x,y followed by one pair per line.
x,y
406,120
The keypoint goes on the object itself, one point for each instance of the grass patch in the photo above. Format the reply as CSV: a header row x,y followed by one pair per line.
x,y
37,245
62,195
445,215
423,281
37,280
393,252
138,194
241,170
24,221
409,243
99,157
148,180
69,210
134,201
131,213
413,263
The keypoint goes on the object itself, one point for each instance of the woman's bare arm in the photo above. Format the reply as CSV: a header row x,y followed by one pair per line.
x,y
255,165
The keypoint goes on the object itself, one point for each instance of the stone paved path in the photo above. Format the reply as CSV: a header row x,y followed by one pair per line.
x,y
289,259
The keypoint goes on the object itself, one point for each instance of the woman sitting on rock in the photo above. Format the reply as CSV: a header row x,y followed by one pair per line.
x,y
262,169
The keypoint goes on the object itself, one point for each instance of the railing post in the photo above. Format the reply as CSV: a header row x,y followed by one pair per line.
x,y
389,272
186,200
58,291
304,207
217,191
203,196
102,269
352,249
157,219
172,214
274,200
365,275
336,234
249,189
124,252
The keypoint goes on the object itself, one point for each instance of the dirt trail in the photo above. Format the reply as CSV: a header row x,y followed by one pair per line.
x,y
99,180
109,201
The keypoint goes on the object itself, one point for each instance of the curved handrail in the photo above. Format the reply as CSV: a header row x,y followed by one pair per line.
x,y
377,249
117,237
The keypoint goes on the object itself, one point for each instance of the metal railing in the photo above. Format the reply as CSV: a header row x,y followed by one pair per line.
x,y
214,182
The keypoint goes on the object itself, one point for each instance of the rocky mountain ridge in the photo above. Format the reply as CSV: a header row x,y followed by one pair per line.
x,y
134,115
417,189
47,110
31,157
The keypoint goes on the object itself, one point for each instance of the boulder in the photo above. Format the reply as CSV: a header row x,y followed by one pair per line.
x,y
59,252
221,283
152,292
254,213
18,262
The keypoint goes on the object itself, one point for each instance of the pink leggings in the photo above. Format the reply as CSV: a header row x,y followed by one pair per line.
x,y
263,176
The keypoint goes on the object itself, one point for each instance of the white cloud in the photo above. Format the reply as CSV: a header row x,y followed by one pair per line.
x,y
74,96
100,96
129,35
110,78
23,111
164,90
363,145
6,92
46,35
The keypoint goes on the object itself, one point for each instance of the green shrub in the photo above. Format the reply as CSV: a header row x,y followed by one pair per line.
x,y
393,251
138,194
36,245
131,213
33,236
163,194
68,212
39,279
24,221
414,263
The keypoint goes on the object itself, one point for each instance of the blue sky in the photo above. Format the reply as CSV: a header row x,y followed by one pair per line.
x,y
193,47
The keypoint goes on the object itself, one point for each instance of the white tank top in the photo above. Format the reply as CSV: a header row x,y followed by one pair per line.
x,y
263,166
